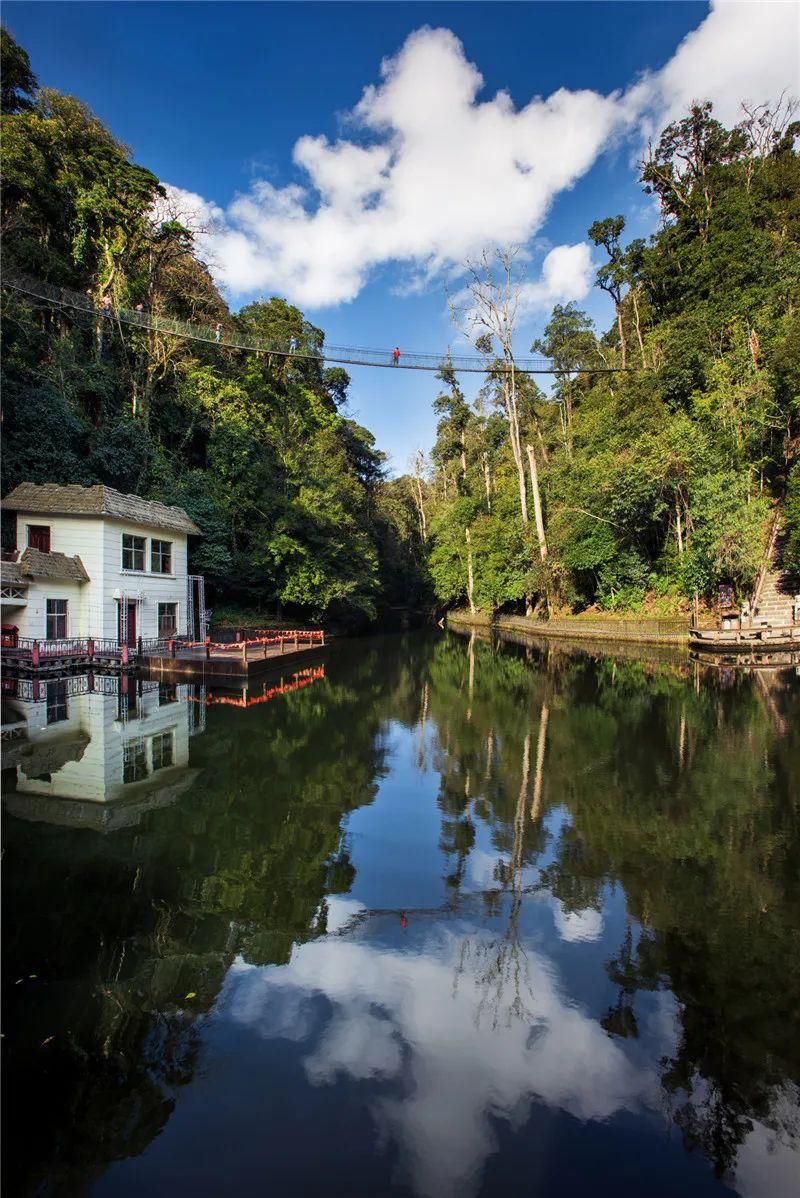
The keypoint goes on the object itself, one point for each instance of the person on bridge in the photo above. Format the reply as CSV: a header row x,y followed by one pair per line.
x,y
217,331
292,345
395,356
106,305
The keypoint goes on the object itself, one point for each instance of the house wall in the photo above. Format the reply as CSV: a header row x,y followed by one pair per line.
x,y
92,608
32,618
146,588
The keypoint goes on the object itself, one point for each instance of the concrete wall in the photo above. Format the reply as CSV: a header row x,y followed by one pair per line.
x,y
92,609
647,630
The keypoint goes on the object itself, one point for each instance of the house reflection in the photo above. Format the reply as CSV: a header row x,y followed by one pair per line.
x,y
95,751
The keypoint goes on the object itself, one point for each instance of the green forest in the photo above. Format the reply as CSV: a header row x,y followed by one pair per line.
x,y
648,474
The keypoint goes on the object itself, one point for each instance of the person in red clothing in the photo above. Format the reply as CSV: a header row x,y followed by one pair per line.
x,y
395,356
403,920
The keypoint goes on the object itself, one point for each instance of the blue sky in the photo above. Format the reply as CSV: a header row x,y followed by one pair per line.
x,y
214,98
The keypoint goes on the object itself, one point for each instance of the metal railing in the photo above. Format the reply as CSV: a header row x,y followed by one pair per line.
x,y
39,651
35,690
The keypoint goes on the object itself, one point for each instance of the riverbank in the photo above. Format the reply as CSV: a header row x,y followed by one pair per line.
x,y
638,629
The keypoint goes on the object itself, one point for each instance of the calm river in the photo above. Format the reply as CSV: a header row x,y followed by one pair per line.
x,y
431,918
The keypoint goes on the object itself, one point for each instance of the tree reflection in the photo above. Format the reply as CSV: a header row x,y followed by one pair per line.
x,y
681,786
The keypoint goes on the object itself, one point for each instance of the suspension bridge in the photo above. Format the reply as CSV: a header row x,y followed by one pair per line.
x,y
230,337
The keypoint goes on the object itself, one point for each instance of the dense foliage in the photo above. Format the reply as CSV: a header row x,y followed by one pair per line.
x,y
658,482
290,492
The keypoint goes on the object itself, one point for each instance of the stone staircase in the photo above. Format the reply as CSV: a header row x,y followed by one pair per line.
x,y
774,600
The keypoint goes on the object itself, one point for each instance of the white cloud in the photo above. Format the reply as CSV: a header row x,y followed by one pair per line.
x,y
741,52
434,173
566,275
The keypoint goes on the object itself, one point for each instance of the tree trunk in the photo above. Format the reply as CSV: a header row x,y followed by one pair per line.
x,y
678,528
509,391
519,818
638,325
471,684
538,778
487,481
568,418
537,504
623,346
423,523
470,577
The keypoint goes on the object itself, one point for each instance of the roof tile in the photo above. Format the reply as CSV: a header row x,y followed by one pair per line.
x,y
36,564
73,500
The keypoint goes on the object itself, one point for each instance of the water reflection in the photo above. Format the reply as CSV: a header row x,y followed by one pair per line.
x,y
481,917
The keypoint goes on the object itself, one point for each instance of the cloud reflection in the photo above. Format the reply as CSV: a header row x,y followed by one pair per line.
x,y
415,1018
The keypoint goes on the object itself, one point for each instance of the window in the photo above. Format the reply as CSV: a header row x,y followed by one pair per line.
x,y
167,619
161,557
57,702
162,751
56,619
133,549
39,537
134,761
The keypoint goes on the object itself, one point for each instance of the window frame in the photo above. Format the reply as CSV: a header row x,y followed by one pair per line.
x,y
132,549
172,632
57,701
160,555
135,766
56,615
40,530
158,743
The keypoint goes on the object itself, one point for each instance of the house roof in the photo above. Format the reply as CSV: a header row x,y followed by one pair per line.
x,y
9,573
52,565
72,500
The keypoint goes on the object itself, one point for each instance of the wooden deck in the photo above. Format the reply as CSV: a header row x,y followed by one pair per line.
x,y
237,662
746,638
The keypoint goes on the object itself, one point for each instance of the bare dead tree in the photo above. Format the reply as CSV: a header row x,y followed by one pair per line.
x,y
419,471
489,317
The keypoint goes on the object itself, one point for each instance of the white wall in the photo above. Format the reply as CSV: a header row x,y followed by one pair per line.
x,y
92,610
150,589
32,618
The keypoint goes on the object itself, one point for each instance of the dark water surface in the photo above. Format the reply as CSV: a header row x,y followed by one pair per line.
x,y
438,919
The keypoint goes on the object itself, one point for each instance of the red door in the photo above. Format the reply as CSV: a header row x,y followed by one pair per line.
x,y
130,640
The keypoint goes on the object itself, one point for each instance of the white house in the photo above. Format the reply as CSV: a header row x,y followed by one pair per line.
x,y
92,562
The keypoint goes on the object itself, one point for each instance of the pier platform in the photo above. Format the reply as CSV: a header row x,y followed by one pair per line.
x,y
236,661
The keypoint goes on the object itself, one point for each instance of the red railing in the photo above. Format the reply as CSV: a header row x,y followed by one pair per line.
x,y
240,644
